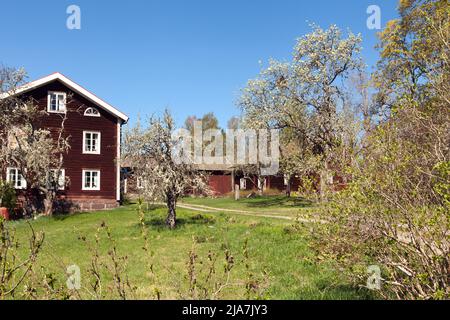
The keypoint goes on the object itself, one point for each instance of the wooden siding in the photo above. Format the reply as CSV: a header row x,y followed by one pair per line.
x,y
75,161
220,184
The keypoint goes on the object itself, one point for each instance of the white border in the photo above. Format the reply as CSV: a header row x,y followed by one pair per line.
x,y
99,149
91,115
83,180
49,101
23,181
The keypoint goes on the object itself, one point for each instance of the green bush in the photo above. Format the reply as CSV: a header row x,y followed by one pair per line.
x,y
8,197
394,214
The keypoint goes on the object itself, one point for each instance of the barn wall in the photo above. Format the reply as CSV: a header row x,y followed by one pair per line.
x,y
75,161
220,184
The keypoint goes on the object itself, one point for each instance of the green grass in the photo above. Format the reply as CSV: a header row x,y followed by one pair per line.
x,y
285,256
272,205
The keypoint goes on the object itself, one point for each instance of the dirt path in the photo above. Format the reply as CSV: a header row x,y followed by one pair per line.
x,y
201,208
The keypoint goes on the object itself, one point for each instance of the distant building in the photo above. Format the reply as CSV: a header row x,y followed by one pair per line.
x,y
222,180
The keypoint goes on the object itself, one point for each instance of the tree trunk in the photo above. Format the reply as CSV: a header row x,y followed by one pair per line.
x,y
261,186
49,201
29,208
288,188
171,220
323,184
48,207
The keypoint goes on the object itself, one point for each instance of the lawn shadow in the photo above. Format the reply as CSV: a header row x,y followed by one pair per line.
x,y
159,222
345,292
61,215
58,216
153,207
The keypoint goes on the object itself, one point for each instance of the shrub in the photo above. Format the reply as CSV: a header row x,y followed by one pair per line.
x,y
17,271
8,197
395,213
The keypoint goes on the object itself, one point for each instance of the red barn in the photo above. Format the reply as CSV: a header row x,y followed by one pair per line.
x,y
93,163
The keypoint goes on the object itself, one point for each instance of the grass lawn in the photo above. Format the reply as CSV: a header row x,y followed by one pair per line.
x,y
272,205
285,256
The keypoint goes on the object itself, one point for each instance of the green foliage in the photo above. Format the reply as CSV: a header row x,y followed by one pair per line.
x,y
8,197
395,213
17,262
442,181
308,188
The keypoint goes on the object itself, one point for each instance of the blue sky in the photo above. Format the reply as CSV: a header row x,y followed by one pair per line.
x,y
191,56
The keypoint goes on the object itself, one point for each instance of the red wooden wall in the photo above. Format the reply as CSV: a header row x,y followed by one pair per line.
x,y
220,184
75,161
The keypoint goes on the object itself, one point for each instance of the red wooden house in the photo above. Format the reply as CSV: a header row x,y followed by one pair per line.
x,y
92,165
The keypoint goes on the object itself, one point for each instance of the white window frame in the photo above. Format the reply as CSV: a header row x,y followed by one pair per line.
x,y
49,101
140,183
84,188
61,180
330,179
23,182
95,114
99,142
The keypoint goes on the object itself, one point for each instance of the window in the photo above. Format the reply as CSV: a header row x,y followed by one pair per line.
x,y
92,112
91,180
56,102
330,179
14,176
140,183
91,142
61,179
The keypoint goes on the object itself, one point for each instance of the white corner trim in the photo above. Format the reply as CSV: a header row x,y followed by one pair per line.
x,y
118,160
72,85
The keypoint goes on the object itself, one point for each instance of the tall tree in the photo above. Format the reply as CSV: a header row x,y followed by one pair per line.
x,y
209,121
153,152
206,138
234,123
306,96
415,56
